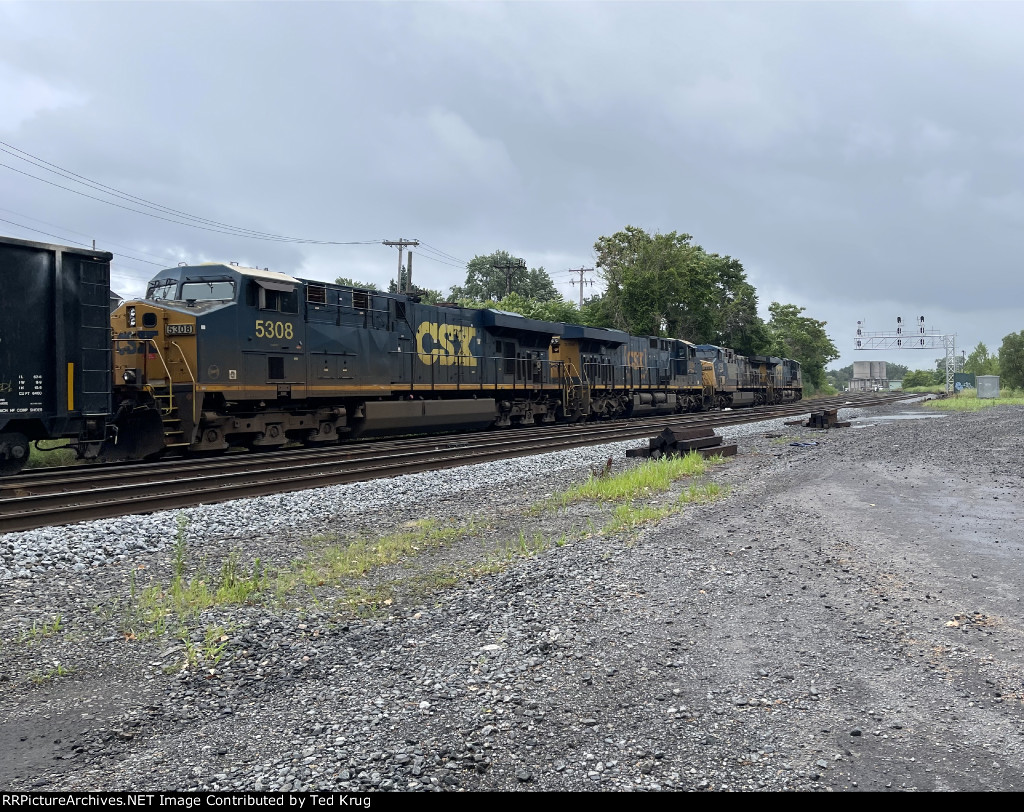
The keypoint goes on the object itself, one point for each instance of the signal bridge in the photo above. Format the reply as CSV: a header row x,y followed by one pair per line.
x,y
914,336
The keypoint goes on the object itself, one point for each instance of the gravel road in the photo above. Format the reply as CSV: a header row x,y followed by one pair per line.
x,y
846,617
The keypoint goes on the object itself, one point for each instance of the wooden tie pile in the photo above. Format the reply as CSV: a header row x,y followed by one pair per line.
x,y
673,441
823,419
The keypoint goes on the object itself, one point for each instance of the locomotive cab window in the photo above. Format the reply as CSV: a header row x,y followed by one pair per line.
x,y
162,289
205,290
271,298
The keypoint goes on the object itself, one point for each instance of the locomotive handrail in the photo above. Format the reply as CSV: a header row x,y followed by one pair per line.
x,y
169,378
184,361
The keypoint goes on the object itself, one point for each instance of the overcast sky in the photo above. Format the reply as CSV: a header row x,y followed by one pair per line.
x,y
863,160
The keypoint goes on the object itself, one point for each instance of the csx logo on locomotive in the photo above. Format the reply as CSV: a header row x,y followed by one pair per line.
x,y
445,344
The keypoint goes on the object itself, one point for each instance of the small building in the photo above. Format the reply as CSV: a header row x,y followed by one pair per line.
x,y
988,386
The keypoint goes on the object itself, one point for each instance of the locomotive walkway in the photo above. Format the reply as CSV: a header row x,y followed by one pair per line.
x,y
82,493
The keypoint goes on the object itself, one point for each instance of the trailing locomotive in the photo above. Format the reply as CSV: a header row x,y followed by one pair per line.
x,y
219,355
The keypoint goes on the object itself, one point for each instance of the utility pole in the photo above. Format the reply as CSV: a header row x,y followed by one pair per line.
x,y
582,281
400,245
508,267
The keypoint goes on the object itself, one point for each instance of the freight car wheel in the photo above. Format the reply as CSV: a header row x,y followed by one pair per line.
x,y
13,453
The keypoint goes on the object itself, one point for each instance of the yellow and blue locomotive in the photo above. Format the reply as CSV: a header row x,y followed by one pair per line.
x,y
220,355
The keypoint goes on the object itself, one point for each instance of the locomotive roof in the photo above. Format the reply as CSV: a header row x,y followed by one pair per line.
x,y
255,273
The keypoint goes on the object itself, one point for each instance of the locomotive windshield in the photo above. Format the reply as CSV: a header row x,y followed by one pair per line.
x,y
208,290
164,289
197,290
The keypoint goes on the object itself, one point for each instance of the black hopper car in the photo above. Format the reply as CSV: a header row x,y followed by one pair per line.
x,y
217,356
55,348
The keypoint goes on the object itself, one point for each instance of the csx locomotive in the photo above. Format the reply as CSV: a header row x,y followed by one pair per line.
x,y
219,355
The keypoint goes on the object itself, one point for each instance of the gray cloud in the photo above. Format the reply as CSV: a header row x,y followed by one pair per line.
x,y
858,158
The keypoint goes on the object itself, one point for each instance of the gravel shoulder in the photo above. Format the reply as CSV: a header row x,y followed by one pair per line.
x,y
846,617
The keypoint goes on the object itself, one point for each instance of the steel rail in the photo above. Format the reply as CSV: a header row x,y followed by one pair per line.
x,y
41,504
65,477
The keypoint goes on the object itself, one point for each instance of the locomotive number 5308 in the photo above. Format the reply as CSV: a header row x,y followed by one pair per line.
x,y
273,329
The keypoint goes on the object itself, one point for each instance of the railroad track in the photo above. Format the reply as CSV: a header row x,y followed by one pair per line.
x,y
80,493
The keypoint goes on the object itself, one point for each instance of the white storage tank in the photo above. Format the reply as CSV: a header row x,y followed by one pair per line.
x,y
862,370
988,386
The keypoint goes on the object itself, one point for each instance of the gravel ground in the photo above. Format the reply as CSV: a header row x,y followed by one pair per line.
x,y
846,617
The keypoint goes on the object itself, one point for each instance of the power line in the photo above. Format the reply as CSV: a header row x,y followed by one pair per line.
x,y
212,225
444,254
161,263
441,261
176,216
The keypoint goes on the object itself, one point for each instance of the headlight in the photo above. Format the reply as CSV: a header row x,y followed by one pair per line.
x,y
131,316
130,377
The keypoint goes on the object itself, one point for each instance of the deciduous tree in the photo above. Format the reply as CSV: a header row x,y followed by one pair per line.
x,y
1011,361
803,339
979,362
492,277
662,284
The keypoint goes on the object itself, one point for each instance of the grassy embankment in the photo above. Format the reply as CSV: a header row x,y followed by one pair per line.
x,y
968,401
341,573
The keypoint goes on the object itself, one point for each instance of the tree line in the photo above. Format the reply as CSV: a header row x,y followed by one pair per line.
x,y
656,284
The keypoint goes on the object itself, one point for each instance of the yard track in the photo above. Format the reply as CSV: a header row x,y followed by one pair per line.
x,y
62,496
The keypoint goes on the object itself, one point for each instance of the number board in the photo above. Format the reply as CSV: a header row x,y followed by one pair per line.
x,y
181,329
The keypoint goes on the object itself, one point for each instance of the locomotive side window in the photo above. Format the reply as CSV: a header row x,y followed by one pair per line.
x,y
281,301
275,367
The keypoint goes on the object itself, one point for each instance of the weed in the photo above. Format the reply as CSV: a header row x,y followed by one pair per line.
x,y
630,516
39,632
652,476
335,562
367,602
179,545
701,492
215,640
38,678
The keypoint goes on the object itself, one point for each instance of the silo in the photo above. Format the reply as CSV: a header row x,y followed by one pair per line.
x,y
861,370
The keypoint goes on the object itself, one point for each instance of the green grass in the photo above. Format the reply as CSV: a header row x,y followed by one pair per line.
x,y
39,632
332,563
631,516
159,609
650,477
176,606
39,678
60,455
968,401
